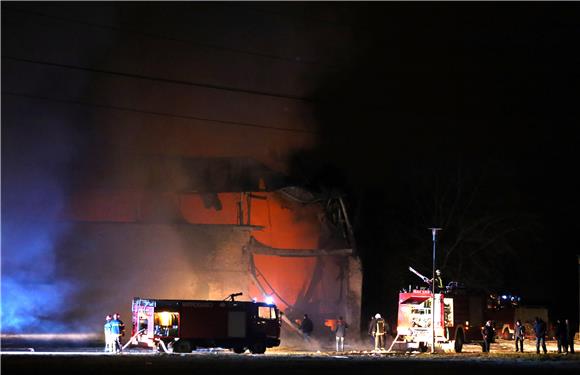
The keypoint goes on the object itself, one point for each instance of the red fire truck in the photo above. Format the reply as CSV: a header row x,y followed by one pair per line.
x,y
459,317
415,321
184,325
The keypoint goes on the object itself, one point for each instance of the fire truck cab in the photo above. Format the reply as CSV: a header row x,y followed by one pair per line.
x,y
184,325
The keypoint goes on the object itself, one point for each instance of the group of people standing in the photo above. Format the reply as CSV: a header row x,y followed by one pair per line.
x,y
378,330
114,330
306,327
564,334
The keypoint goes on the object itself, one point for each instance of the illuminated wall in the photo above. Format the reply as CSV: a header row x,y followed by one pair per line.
x,y
204,253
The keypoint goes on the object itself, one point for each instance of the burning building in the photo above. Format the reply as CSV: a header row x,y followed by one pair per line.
x,y
148,156
281,242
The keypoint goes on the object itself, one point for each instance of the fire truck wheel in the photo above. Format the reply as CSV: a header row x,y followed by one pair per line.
x,y
182,346
459,339
258,348
239,349
423,347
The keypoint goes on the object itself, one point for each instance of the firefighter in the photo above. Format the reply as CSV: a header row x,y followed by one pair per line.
x,y
488,333
438,282
117,330
379,330
540,331
306,327
107,329
340,332
519,335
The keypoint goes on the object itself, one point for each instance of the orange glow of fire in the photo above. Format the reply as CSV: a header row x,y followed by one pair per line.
x,y
331,323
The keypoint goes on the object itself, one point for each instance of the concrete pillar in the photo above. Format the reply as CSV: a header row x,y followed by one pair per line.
x,y
354,295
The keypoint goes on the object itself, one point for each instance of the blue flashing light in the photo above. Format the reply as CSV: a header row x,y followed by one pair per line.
x,y
269,300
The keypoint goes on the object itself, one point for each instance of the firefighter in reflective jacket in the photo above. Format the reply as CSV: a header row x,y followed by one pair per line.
x,y
108,339
378,332
117,330
439,288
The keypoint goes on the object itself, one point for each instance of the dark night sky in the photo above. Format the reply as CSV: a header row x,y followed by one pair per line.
x,y
415,107
482,92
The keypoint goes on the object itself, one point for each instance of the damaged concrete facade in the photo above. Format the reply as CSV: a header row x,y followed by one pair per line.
x,y
259,243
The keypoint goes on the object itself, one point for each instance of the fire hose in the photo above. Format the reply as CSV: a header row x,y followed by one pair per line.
x,y
162,345
284,318
131,339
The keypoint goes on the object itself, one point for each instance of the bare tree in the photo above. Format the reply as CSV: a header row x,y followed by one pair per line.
x,y
479,242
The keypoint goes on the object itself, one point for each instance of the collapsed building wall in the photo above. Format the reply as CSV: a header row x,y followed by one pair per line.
x,y
256,243
325,284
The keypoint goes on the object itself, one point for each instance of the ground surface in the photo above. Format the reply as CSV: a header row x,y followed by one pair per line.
x,y
89,359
